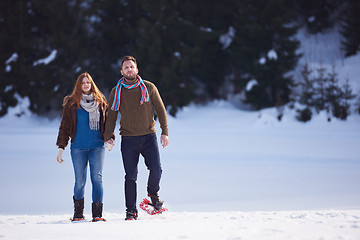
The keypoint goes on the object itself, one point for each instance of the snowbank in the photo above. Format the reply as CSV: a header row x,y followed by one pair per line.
x,y
289,225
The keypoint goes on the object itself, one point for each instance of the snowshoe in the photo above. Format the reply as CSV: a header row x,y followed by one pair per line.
x,y
77,219
151,208
98,219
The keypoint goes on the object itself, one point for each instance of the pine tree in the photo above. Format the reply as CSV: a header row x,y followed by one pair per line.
x,y
111,25
178,50
318,15
264,49
350,28
320,83
338,98
212,24
358,104
61,28
162,51
16,52
332,95
306,95
34,30
346,95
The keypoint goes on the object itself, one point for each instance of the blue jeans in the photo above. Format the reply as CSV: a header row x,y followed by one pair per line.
x,y
80,159
131,148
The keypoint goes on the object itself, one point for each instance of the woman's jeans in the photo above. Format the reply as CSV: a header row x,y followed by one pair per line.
x,y
131,148
80,159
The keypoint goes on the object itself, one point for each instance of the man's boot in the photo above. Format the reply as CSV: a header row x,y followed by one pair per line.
x,y
131,215
155,201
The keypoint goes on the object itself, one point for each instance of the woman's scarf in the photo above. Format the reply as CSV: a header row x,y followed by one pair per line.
x,y
117,97
92,107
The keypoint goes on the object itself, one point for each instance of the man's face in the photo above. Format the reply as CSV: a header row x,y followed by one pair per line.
x,y
129,70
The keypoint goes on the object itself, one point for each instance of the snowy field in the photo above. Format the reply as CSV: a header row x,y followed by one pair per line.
x,y
287,225
228,174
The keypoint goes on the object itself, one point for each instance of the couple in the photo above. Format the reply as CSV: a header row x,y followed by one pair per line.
x,y
90,121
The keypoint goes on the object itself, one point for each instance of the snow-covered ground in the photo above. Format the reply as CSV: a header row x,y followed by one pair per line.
x,y
228,174
286,225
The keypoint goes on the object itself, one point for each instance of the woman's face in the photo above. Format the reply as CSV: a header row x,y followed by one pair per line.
x,y
86,85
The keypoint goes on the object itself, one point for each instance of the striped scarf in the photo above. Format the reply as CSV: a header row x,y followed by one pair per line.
x,y
117,98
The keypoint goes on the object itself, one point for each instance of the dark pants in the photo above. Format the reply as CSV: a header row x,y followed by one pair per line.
x,y
131,148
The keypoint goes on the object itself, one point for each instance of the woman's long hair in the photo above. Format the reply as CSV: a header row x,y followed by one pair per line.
x,y
75,96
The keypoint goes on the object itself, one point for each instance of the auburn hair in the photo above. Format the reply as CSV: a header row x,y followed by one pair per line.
x,y
75,96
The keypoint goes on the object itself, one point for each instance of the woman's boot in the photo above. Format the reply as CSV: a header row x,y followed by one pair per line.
x,y
78,210
97,208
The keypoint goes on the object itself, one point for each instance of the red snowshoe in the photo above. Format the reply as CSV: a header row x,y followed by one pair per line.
x,y
147,206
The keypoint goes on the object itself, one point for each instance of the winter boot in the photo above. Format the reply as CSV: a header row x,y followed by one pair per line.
x,y
97,208
131,215
78,210
155,201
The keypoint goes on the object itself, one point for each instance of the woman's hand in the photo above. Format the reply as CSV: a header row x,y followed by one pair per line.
x,y
59,156
109,144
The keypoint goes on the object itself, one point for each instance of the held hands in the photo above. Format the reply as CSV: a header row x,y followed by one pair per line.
x,y
164,140
109,144
59,156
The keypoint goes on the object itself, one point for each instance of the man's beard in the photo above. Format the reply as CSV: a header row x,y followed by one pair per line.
x,y
130,78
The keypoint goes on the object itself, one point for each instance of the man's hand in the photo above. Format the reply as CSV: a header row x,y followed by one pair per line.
x,y
164,140
109,144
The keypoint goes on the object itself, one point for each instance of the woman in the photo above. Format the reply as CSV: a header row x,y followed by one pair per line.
x,y
83,121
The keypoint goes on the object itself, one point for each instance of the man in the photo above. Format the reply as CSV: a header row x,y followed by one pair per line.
x,y
136,99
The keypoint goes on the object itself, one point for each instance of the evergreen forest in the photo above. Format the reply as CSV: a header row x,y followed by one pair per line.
x,y
194,51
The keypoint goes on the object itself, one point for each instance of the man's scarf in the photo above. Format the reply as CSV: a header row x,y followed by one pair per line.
x,y
117,97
